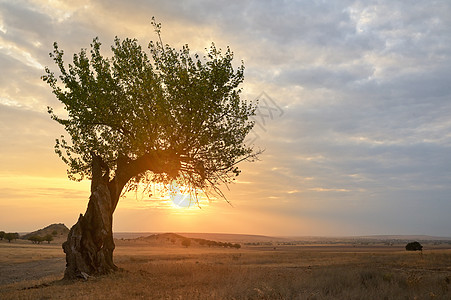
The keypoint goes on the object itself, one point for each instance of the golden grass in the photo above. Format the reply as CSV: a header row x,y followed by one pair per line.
x,y
23,251
255,273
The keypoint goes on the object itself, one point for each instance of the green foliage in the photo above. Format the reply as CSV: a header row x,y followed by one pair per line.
x,y
414,246
133,104
48,238
2,235
36,239
11,236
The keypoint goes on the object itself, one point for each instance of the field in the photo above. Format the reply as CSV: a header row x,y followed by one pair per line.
x,y
159,270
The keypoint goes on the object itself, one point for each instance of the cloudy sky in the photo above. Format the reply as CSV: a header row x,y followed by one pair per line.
x,y
355,116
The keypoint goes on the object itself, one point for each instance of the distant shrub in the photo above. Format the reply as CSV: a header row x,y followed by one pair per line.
x,y
48,238
2,235
11,236
414,246
36,239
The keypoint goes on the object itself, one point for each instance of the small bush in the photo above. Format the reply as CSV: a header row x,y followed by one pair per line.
x,y
48,238
36,239
414,246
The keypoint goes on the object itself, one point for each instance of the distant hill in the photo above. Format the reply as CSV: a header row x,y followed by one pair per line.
x,y
223,237
407,237
57,230
236,238
177,240
262,239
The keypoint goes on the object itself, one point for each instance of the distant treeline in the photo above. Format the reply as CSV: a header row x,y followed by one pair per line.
x,y
35,239
209,243
264,244
9,236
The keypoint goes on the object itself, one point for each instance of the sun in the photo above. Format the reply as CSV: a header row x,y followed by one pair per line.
x,y
180,196
181,200
174,195
185,197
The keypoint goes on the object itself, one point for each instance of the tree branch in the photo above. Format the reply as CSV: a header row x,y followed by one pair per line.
x,y
158,161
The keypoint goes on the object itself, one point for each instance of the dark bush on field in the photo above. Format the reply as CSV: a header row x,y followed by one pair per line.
x,y
414,246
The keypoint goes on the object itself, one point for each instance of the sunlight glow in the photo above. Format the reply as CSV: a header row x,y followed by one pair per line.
x,y
183,196
173,196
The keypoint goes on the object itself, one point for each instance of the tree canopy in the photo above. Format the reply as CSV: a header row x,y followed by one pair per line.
x,y
175,107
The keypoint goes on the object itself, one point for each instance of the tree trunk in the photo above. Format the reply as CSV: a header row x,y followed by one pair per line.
x,y
89,246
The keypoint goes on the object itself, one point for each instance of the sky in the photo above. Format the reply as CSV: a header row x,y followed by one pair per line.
x,y
354,116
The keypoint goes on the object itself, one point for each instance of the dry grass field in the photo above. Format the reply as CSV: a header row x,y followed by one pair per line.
x,y
152,271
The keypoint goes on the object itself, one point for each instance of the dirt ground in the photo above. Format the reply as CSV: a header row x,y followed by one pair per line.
x,y
33,270
22,261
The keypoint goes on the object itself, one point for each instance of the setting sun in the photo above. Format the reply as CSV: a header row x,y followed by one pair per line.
x,y
170,196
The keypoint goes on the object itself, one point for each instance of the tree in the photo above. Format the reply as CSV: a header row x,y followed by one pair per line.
x,y
2,235
414,246
171,117
186,243
36,239
48,238
10,236
54,233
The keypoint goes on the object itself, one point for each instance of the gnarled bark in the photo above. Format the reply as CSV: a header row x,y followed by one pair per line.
x,y
90,245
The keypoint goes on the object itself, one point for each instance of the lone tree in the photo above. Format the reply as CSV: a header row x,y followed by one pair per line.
x,y
48,238
11,236
414,246
170,117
